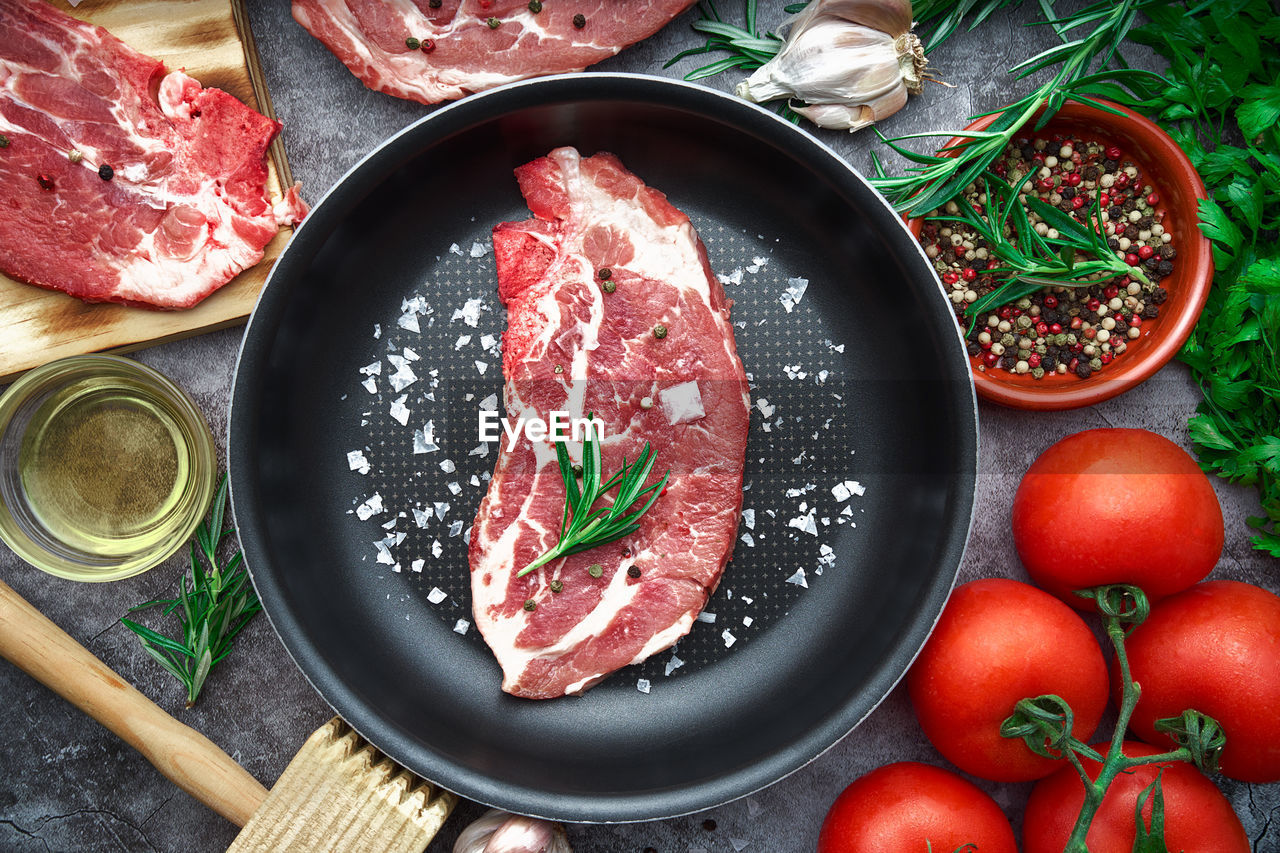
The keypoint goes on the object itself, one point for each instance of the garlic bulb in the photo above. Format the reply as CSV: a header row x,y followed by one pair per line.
x,y
851,61
499,832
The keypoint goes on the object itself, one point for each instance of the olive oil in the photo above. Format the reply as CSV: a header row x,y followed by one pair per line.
x,y
106,467
103,465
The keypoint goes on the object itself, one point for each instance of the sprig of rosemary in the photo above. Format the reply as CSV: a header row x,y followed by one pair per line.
x,y
582,527
936,179
213,606
1077,257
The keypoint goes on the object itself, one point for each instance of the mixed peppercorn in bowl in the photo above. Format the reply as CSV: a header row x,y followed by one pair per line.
x,y
1050,346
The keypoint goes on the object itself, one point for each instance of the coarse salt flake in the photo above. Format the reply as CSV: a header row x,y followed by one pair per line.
x,y
372,369
370,385
489,404
441,508
728,638
437,595
847,489
749,518
642,684
370,508
799,579
469,313
462,341
794,293
805,523
454,487
447,466
421,518
409,322
399,411
478,250
417,565
765,408
424,440
682,403
455,249
672,665
455,529
357,462
748,539
436,548
482,366
704,616
461,626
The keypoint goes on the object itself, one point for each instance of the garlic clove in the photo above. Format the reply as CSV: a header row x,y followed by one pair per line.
x,y
852,61
500,832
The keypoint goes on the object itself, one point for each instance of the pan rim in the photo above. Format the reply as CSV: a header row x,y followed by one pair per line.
x,y
484,787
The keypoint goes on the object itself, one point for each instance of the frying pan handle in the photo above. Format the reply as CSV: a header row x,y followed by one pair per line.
x,y
192,761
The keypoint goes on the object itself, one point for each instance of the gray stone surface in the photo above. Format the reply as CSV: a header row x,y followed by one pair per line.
x,y
68,785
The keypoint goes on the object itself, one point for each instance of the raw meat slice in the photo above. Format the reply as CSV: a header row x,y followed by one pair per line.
x,y
463,52
572,346
111,193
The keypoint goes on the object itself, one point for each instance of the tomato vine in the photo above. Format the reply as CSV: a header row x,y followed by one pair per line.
x,y
1044,724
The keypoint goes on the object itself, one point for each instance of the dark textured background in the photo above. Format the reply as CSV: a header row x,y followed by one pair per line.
x,y
68,785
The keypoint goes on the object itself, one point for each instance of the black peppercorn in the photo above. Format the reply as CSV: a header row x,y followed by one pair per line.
x,y
579,21
106,172
633,572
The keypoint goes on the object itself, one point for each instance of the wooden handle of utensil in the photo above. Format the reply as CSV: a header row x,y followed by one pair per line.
x,y
192,761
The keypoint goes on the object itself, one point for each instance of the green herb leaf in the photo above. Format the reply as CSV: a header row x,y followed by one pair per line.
x,y
585,526
215,603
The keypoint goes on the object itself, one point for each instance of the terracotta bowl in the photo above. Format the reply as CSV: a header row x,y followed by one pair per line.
x,y
1163,165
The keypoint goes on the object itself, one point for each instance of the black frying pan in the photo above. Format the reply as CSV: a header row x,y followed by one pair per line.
x,y
865,379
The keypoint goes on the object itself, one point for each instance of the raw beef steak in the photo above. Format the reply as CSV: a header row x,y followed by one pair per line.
x,y
119,183
461,51
580,344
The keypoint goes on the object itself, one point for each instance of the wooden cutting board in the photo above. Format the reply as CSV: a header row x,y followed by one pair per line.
x,y
211,40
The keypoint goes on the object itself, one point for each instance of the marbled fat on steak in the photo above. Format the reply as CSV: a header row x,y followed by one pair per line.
x,y
572,346
119,183
462,52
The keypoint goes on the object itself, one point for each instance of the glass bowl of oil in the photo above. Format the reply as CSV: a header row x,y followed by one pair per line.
x,y
106,467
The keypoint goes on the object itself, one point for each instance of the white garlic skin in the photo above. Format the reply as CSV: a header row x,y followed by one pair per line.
x,y
852,62
500,832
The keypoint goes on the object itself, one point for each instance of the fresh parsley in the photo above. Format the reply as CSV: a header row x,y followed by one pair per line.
x,y
1222,105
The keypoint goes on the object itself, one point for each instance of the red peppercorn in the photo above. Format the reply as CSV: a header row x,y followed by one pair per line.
x,y
1153,199
1055,328
990,359
1074,179
1051,301
1076,323
428,45
1113,152
992,264
1132,260
1135,321
1034,359
1122,180
1005,313
1104,199
45,182
1042,328
1090,333
969,274
1044,184
1111,291
950,277
1093,304
1016,312
1145,252
1077,202
1106,357
985,344
1073,364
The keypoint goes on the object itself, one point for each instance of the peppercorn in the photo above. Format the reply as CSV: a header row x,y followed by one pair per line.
x,y
605,274
579,21
633,572
412,43
530,605
106,172
659,331
435,4
4,141
577,470
535,6
493,23
74,156
609,287
45,182
595,570
557,586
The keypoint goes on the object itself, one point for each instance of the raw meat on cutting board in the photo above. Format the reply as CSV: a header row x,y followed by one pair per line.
x,y
118,182
461,52
684,393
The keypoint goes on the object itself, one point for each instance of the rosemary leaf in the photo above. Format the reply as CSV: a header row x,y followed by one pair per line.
x,y
584,526
213,604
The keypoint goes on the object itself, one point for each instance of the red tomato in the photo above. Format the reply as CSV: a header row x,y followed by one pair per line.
x,y
1215,648
910,807
1197,817
999,641
1116,506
